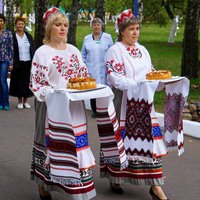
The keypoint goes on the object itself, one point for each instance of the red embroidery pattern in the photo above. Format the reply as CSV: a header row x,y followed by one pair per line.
x,y
39,76
134,53
138,126
138,120
70,71
174,105
115,67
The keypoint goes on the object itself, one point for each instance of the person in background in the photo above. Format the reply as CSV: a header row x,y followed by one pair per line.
x,y
93,52
6,63
23,54
127,63
53,64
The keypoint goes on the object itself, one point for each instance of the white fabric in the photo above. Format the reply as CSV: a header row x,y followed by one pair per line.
x,y
63,101
159,148
143,90
93,54
119,54
51,68
135,69
178,87
23,47
110,153
61,114
90,94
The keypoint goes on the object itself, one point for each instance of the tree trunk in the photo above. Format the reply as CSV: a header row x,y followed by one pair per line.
x,y
40,7
57,4
173,30
100,11
73,17
166,5
190,64
9,15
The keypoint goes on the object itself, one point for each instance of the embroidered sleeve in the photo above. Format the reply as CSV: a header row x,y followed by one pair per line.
x,y
116,71
39,81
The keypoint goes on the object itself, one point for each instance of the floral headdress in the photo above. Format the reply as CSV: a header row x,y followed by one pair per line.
x,y
126,14
49,12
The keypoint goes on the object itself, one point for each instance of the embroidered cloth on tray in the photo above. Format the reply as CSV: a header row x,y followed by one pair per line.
x,y
176,97
63,126
142,131
111,144
140,109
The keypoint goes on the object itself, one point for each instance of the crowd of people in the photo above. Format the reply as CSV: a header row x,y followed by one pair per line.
x,y
119,66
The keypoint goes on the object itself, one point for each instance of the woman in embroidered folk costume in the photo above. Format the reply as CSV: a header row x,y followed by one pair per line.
x,y
127,63
53,64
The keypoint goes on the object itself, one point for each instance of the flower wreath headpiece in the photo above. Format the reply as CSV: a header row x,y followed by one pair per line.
x,y
126,14
49,12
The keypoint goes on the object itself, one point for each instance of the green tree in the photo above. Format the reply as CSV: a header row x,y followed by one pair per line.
x,y
117,6
73,22
40,7
190,66
23,6
9,15
100,9
88,4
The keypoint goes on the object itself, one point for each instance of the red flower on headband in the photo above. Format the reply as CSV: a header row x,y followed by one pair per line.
x,y
126,14
49,12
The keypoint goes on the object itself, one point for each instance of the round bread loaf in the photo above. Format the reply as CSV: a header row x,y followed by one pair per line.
x,y
159,75
81,83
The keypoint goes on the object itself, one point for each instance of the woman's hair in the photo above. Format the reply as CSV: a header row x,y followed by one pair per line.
x,y
97,20
131,21
52,20
19,19
2,17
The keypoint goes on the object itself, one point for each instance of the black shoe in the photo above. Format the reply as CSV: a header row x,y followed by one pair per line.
x,y
46,197
94,115
154,196
116,190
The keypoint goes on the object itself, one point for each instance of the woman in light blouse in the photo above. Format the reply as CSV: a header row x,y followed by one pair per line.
x,y
93,52
23,54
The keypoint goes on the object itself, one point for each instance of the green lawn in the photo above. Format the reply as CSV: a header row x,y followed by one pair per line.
x,y
163,56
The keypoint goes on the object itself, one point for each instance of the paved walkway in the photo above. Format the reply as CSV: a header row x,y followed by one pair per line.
x,y
16,137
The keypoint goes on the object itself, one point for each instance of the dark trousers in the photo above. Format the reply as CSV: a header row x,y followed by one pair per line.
x,y
93,105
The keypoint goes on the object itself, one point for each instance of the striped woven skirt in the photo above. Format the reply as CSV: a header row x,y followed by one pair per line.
x,y
42,175
137,173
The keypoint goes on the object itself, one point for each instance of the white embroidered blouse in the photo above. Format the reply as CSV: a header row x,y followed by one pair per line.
x,y
125,65
51,69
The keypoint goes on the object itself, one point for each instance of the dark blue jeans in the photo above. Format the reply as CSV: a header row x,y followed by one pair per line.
x,y
3,83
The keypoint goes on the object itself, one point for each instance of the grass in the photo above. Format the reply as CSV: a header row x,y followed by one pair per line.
x,y
163,56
